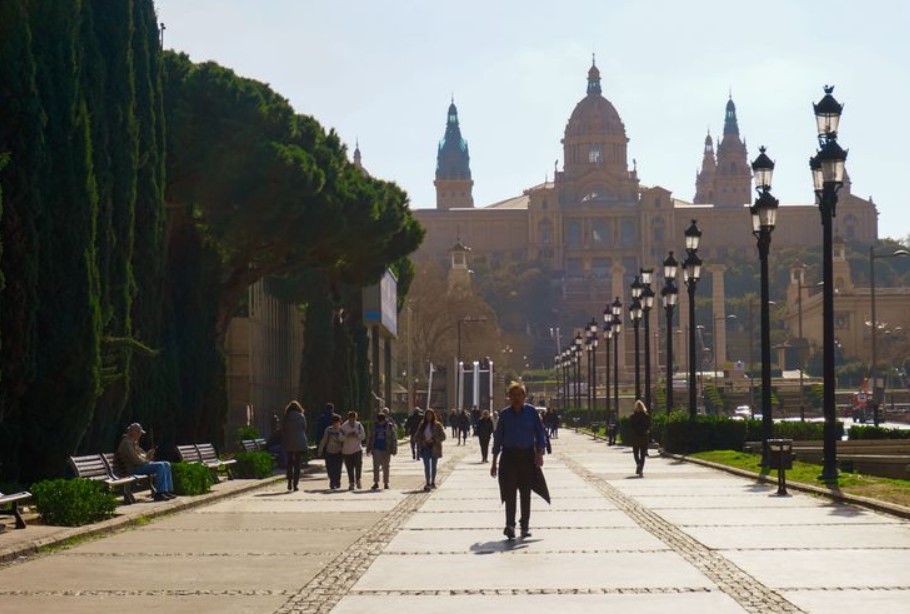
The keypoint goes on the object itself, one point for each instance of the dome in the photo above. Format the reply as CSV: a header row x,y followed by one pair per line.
x,y
595,115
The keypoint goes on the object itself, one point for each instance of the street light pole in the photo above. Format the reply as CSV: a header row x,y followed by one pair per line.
x,y
873,368
608,336
692,273
635,312
764,214
617,331
578,343
589,349
592,328
669,295
647,302
827,168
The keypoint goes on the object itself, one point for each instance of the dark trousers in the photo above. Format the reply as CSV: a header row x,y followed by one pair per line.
x,y
293,472
516,471
415,446
354,464
484,447
333,464
640,453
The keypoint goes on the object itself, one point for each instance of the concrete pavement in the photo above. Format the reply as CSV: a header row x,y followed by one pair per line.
x,y
683,538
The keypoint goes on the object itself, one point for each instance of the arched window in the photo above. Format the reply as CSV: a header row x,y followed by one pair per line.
x,y
594,154
600,232
573,234
545,228
628,234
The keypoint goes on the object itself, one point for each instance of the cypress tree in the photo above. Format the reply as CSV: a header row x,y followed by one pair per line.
x,y
22,123
58,408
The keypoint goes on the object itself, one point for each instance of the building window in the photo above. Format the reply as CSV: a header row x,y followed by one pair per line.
x,y
600,231
544,204
546,229
574,266
573,234
594,154
600,267
628,235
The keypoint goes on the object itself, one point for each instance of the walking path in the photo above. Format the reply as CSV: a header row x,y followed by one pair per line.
x,y
683,538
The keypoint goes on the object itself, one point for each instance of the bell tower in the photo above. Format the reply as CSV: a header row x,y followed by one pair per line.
x,y
733,175
704,180
453,167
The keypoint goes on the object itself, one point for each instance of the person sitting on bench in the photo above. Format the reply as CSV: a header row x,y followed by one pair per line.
x,y
137,461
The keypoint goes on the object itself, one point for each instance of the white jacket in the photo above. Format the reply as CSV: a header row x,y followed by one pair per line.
x,y
352,437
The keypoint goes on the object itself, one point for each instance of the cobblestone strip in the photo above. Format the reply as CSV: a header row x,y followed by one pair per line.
x,y
535,591
326,589
748,592
149,593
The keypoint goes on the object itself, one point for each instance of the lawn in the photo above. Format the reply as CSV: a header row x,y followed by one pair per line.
x,y
882,489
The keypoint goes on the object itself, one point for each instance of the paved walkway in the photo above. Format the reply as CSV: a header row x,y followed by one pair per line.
x,y
682,539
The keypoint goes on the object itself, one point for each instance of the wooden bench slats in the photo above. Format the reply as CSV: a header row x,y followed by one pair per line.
x,y
205,454
115,467
13,501
95,467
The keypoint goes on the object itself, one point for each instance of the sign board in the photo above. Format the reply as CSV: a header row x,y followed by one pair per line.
x,y
380,305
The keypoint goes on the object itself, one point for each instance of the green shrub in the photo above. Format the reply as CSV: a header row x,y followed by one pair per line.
x,y
877,432
247,432
71,503
191,478
253,465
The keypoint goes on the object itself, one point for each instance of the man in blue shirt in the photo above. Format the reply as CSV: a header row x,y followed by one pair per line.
x,y
521,439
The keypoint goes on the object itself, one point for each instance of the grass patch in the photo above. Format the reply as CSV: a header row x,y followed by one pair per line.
x,y
881,489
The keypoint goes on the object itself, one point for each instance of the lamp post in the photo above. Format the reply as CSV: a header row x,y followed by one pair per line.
x,y
764,217
635,313
589,349
592,328
608,336
873,368
576,350
617,331
669,295
827,168
647,302
564,357
692,273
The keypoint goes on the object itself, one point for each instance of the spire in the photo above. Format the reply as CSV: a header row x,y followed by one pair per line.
x,y
704,179
452,159
731,126
593,78
357,161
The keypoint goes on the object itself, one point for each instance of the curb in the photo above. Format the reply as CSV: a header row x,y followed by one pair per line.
x,y
880,506
111,525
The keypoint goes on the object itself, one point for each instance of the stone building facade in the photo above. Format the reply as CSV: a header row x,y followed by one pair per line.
x,y
595,224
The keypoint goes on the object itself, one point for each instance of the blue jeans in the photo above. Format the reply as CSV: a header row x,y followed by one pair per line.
x,y
429,464
164,482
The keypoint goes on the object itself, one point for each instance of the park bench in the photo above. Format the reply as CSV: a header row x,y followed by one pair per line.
x,y
117,469
94,467
13,502
205,454
253,445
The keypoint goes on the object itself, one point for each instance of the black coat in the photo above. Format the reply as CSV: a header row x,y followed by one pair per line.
x,y
485,428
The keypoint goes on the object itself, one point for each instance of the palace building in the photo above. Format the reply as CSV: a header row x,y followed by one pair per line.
x,y
595,223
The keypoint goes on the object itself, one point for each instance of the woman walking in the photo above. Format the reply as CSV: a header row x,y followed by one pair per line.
x,y
352,439
431,435
640,425
484,432
330,449
293,441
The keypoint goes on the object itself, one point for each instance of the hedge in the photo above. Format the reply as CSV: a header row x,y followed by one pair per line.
x,y
877,432
253,465
71,503
191,478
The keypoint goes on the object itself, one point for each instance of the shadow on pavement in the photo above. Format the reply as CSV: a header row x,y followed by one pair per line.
x,y
502,545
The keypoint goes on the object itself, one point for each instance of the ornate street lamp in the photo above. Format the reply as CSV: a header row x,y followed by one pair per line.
x,y
635,312
608,336
669,295
691,274
647,302
827,168
576,351
764,217
592,329
616,307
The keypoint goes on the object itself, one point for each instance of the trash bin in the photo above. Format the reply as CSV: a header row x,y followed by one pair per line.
x,y
780,457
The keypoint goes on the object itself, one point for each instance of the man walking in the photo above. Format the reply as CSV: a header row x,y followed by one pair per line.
x,y
521,439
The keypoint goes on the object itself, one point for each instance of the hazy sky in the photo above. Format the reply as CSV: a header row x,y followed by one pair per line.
x,y
383,72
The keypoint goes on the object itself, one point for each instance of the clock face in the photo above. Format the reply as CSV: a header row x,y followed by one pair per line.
x,y
840,320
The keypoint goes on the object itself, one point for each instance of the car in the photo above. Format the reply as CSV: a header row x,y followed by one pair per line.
x,y
743,412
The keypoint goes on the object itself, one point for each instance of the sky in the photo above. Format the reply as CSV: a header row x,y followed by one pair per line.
x,y
382,73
